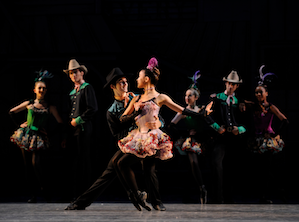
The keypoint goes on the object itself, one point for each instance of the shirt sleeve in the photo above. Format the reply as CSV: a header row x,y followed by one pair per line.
x,y
118,129
113,122
91,105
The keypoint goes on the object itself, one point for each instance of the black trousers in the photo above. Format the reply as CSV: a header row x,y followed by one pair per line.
x,y
82,159
112,172
225,162
151,179
99,186
124,164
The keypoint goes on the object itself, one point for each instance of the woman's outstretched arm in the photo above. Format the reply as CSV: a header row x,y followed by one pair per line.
x,y
20,107
163,99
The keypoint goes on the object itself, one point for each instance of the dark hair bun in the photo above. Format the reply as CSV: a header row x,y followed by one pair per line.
x,y
152,70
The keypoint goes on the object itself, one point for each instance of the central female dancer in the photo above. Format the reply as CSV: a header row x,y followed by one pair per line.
x,y
143,142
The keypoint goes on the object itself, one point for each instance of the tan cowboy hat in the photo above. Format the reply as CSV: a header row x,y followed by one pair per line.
x,y
73,64
233,77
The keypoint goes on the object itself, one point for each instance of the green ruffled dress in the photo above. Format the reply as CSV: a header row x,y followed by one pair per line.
x,y
33,137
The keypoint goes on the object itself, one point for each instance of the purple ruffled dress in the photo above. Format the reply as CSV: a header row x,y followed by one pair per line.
x,y
263,124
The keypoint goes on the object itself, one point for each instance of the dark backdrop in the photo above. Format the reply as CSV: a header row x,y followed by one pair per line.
x,y
212,36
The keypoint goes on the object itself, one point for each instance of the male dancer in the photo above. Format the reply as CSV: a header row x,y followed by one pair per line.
x,y
223,108
117,81
83,108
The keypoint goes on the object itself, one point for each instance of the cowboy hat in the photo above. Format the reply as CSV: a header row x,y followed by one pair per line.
x,y
73,64
115,73
233,77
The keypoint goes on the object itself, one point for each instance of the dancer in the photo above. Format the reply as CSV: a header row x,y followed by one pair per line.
x,y
143,143
117,81
83,108
191,144
223,111
267,144
32,137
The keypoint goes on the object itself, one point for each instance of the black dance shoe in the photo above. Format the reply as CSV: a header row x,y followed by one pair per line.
x,y
32,200
265,201
141,199
134,201
203,194
74,206
159,207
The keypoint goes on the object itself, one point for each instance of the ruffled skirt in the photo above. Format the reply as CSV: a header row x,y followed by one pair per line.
x,y
154,143
30,140
188,145
263,145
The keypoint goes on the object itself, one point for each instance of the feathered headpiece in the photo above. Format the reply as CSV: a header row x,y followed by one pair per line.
x,y
194,79
152,63
263,76
41,75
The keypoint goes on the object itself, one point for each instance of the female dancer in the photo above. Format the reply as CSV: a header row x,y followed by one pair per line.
x,y
31,137
267,142
143,142
191,145
266,139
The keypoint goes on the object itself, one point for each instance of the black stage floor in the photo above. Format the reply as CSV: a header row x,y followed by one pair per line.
x,y
126,212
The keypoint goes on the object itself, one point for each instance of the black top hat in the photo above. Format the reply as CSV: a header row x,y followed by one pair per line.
x,y
115,73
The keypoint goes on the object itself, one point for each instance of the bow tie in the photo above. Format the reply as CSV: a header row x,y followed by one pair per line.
x,y
230,98
78,85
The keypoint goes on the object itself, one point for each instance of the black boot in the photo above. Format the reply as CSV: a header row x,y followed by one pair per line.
x,y
159,207
134,201
74,206
203,194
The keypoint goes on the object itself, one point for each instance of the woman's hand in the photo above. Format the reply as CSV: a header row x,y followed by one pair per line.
x,y
24,125
242,107
209,108
127,98
138,105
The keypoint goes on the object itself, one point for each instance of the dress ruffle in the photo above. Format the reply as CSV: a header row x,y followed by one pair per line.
x,y
188,145
263,145
154,143
30,140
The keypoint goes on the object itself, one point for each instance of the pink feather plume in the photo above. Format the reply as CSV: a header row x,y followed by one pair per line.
x,y
153,62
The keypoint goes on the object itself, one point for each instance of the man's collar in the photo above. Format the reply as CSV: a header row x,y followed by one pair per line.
x,y
225,92
74,91
120,101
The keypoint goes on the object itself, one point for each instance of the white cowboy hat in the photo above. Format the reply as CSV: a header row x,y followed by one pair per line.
x,y
233,77
73,64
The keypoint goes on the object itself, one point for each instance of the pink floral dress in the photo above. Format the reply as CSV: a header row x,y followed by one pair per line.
x,y
144,142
